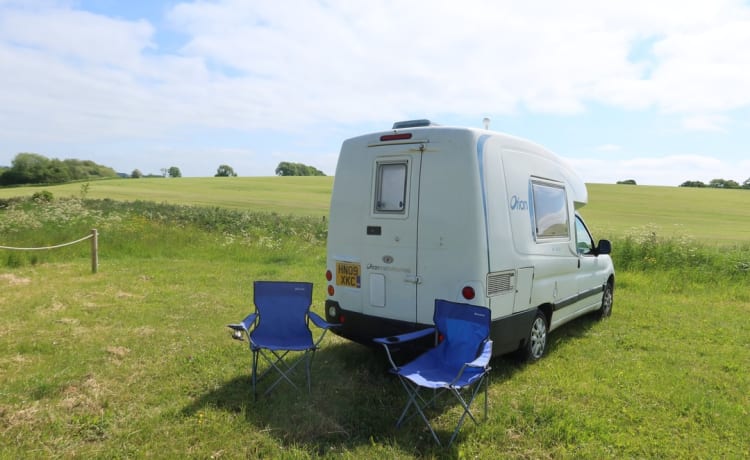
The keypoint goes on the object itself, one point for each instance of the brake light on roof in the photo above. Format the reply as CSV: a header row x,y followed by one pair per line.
x,y
395,137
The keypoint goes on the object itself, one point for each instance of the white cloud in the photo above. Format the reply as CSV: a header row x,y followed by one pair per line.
x,y
254,66
713,123
667,170
257,63
608,148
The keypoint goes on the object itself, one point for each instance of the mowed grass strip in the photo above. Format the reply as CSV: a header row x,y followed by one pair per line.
x,y
309,196
712,216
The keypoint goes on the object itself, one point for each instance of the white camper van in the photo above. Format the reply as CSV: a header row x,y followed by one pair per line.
x,y
424,212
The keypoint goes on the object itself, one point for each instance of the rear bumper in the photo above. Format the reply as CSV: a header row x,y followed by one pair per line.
x,y
362,328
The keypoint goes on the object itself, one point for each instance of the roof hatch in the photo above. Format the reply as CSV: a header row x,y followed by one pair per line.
x,y
413,124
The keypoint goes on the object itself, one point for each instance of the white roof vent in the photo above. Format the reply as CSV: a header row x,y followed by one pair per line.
x,y
413,124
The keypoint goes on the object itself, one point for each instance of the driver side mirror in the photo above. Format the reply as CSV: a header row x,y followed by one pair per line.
x,y
604,247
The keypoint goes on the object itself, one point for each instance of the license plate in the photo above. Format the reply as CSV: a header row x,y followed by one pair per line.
x,y
348,274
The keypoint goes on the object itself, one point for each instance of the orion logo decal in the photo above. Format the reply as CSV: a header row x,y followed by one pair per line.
x,y
517,204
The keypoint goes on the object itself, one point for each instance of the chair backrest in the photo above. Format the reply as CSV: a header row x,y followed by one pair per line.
x,y
463,328
282,309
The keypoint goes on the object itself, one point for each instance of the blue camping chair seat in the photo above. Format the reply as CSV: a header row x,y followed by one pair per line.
x,y
279,326
459,362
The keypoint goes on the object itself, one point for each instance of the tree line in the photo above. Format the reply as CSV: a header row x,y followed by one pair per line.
x,y
32,168
717,183
286,168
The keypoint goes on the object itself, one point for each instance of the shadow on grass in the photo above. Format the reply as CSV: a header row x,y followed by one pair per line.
x,y
354,401
577,328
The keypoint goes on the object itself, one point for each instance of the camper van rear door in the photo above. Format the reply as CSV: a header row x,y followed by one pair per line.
x,y
390,248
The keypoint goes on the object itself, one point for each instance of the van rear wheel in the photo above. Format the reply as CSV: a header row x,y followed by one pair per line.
x,y
536,342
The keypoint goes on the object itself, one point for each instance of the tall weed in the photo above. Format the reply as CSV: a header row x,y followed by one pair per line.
x,y
645,250
147,230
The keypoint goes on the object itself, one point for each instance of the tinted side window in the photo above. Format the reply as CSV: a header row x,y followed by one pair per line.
x,y
390,187
584,242
550,211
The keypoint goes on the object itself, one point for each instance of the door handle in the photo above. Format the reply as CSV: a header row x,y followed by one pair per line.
x,y
413,279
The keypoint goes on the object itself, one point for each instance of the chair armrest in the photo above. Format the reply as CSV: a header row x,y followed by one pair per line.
x,y
320,322
402,338
245,324
484,357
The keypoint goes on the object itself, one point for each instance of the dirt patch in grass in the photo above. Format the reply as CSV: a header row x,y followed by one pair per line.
x,y
14,280
118,351
85,396
12,417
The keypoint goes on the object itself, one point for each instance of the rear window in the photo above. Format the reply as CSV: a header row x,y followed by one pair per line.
x,y
550,211
390,187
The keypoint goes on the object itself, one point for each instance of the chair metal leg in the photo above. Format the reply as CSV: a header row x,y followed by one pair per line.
x,y
467,405
419,403
276,362
255,374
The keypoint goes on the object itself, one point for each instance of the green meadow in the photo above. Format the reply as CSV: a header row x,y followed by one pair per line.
x,y
281,195
712,216
136,361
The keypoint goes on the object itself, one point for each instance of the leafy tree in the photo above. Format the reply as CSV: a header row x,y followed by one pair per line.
x,y
692,183
32,168
722,183
225,171
296,169
136,174
627,182
174,171
746,184
58,172
26,168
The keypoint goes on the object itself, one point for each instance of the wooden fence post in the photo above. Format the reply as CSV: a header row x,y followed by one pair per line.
x,y
94,251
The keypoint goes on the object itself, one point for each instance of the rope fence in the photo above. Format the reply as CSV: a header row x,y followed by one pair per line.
x,y
93,236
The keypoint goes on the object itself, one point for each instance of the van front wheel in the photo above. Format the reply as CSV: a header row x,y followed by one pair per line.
x,y
536,343
607,298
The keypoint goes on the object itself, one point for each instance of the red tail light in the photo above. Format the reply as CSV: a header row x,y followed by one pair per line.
x,y
329,275
395,137
468,293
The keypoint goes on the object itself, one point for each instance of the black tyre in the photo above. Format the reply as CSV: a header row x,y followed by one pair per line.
x,y
607,298
536,343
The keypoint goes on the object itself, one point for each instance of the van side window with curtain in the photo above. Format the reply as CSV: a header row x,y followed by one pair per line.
x,y
390,187
550,211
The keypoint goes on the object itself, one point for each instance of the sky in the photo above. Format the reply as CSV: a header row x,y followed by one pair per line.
x,y
654,91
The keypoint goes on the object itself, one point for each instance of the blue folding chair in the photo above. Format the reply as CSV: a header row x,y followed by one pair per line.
x,y
459,361
279,326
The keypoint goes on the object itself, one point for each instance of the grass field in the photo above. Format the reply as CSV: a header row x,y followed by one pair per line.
x,y
136,361
282,195
712,216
